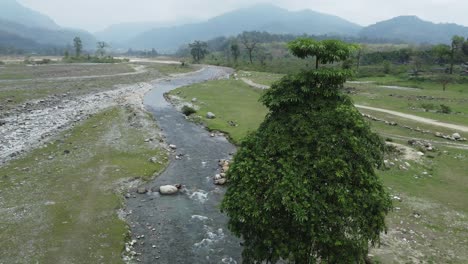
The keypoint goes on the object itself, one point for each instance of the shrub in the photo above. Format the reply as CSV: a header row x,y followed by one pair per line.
x,y
428,107
187,110
445,109
387,67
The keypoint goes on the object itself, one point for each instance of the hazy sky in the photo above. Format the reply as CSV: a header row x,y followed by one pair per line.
x,y
94,15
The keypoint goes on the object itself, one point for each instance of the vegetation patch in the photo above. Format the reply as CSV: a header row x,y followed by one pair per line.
x,y
234,103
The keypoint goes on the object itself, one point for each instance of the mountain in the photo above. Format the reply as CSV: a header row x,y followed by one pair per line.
x,y
123,32
26,24
412,29
260,17
13,11
60,37
10,40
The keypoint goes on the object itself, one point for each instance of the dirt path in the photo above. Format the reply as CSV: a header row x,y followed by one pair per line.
x,y
416,118
255,85
429,121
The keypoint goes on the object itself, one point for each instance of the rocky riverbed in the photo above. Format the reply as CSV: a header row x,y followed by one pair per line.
x,y
33,123
186,227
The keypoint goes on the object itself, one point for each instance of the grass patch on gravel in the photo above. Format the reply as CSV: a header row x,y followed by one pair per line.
x,y
229,100
22,71
59,203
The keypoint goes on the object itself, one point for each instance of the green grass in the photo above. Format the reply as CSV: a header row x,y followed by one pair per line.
x,y
229,100
411,101
265,78
63,210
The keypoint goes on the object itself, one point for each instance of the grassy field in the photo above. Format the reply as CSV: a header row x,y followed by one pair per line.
x,y
230,101
59,203
22,71
429,223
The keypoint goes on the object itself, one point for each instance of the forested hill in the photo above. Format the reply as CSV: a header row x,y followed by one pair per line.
x,y
412,29
260,17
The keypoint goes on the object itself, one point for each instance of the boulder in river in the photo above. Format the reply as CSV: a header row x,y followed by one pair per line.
x,y
169,189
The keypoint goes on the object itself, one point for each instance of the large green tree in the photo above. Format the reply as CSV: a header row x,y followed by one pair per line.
x,y
198,49
303,187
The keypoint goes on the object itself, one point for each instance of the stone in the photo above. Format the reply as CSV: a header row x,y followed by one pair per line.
x,y
221,181
225,168
168,189
210,115
456,136
172,146
153,160
194,100
142,190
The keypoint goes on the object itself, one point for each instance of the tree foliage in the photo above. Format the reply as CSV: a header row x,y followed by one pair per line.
x,y
78,44
198,49
303,186
325,51
101,48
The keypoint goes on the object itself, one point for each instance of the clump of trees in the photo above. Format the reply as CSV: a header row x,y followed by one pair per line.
x,y
198,49
101,49
303,187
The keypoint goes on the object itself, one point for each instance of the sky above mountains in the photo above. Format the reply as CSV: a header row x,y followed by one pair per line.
x,y
95,15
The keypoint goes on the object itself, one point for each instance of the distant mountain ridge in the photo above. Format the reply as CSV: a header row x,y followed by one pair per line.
x,y
412,29
13,11
27,24
260,17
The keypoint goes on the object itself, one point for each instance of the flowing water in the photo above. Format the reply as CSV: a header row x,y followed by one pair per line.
x,y
187,227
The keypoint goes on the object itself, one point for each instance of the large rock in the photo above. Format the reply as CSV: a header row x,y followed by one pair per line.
x,y
168,189
456,136
221,181
210,115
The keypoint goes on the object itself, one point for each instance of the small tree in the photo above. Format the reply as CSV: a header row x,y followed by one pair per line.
x,y
441,52
303,187
250,43
101,48
457,44
198,50
235,51
444,79
78,46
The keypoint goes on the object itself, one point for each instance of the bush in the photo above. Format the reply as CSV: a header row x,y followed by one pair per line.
x,y
428,107
187,110
387,67
445,109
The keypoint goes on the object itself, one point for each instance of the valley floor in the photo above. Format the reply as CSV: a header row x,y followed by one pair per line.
x,y
427,179
72,144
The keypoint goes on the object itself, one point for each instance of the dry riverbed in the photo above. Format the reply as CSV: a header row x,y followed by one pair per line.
x,y
67,157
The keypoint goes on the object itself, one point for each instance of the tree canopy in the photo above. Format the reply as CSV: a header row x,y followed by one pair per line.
x,y
325,51
303,186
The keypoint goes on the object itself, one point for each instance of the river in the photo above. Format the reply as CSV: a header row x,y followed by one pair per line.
x,y
187,227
